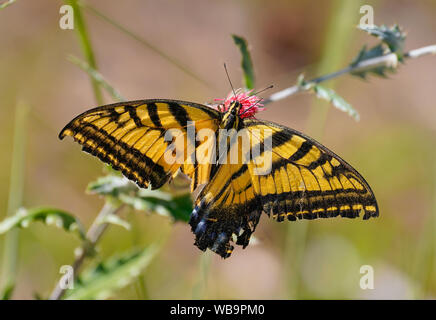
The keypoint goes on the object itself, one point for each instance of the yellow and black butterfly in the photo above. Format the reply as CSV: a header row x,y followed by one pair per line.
x,y
305,179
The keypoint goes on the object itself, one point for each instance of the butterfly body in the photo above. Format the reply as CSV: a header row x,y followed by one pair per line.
x,y
302,179
231,117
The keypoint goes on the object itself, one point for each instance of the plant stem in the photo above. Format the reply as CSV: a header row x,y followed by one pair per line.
x,y
93,235
424,262
86,47
200,289
97,227
388,60
96,76
10,254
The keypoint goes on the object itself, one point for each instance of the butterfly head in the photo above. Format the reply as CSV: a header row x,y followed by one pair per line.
x,y
232,115
241,104
235,109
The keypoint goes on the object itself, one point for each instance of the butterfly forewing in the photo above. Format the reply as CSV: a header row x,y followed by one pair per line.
x,y
131,136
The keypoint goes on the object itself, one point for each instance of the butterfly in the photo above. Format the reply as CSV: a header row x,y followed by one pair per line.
x,y
300,178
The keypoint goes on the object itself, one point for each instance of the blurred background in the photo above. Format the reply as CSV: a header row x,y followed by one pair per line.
x,y
392,146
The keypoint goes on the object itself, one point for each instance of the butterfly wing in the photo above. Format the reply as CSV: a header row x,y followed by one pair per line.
x,y
133,136
305,179
227,207
300,179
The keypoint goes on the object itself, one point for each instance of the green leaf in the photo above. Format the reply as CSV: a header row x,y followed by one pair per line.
x,y
393,37
49,216
115,220
181,207
100,281
246,63
97,77
377,51
301,81
177,206
111,185
327,94
337,101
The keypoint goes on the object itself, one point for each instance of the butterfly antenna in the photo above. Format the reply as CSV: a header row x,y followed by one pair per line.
x,y
264,89
260,99
228,77
260,91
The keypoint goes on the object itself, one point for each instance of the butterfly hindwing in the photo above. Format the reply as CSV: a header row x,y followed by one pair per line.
x,y
131,136
226,210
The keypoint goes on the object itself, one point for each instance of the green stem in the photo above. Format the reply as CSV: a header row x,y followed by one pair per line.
x,y
97,228
10,254
96,76
85,44
424,263
141,288
93,235
200,288
135,233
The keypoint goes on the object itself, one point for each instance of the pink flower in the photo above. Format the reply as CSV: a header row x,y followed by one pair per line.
x,y
250,104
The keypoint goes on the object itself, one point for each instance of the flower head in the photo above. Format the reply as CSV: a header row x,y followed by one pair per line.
x,y
250,104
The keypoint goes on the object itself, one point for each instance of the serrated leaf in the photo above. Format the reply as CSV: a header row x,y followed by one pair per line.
x,y
111,185
337,101
49,216
179,207
393,37
100,281
246,62
374,52
377,51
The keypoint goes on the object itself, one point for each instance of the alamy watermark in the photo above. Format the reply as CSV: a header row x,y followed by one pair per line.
x,y
367,20
67,280
66,22
367,280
